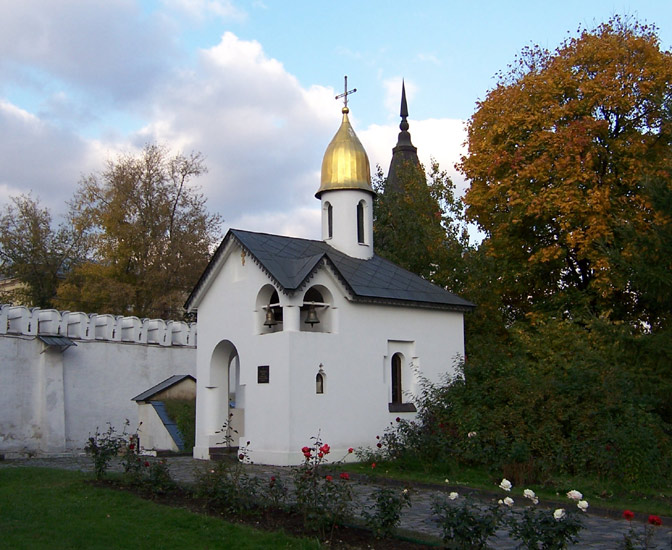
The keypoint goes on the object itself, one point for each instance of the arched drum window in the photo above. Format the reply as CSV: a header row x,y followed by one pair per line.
x,y
396,379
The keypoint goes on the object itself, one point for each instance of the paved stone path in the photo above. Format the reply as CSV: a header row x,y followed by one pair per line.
x,y
599,532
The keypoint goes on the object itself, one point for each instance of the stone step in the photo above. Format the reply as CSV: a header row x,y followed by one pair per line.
x,y
223,453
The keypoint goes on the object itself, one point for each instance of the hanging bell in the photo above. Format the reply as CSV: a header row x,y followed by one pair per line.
x,y
270,318
311,318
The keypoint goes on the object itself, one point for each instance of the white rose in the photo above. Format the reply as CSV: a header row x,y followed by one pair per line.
x,y
453,495
559,514
583,505
574,495
529,493
508,501
505,485
471,434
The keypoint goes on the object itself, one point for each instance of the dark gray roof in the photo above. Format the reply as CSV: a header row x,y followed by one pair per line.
x,y
167,383
290,262
60,342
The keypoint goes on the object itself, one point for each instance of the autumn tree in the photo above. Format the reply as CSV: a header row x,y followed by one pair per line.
x,y
152,235
33,253
558,155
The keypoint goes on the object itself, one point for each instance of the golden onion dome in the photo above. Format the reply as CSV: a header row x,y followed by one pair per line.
x,y
345,164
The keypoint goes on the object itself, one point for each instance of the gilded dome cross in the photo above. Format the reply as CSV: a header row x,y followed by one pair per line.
x,y
345,93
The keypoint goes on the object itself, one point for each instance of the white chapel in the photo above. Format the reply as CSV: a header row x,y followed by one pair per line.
x,y
300,337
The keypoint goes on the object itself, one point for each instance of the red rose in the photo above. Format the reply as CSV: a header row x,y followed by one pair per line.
x,y
350,450
377,437
241,456
146,464
272,478
655,520
398,419
325,449
379,445
373,465
345,475
329,478
131,446
305,450
627,514
320,455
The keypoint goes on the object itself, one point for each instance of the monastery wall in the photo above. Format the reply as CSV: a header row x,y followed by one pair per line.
x,y
53,395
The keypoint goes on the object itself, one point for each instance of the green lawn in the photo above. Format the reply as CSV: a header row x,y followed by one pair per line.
x,y
55,509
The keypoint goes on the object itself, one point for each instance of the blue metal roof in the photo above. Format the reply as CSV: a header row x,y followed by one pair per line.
x,y
169,423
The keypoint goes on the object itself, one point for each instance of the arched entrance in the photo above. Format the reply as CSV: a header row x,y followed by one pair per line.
x,y
226,399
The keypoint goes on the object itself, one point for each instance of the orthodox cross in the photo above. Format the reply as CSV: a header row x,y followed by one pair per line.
x,y
346,93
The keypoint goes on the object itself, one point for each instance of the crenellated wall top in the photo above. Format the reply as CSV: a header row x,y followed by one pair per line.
x,y
21,320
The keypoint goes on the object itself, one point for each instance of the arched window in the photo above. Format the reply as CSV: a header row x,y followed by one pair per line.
x,y
269,310
315,311
319,383
397,368
360,222
330,220
396,379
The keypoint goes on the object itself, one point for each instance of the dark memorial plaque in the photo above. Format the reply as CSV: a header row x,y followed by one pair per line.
x,y
263,374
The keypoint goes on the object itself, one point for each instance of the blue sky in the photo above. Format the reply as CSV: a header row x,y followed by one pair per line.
x,y
251,85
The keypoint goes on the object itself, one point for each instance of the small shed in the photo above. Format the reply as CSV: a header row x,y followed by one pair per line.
x,y
157,430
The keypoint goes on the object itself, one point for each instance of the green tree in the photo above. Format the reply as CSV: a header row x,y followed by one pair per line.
x,y
34,253
152,235
557,155
419,226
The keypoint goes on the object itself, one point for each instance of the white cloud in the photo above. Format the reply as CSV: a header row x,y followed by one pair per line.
x,y
262,134
428,58
39,158
202,9
108,48
392,101
301,222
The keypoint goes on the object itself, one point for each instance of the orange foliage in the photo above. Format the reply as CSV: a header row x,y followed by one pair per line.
x,y
557,153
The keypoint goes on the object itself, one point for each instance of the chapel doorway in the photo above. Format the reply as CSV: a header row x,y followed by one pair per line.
x,y
226,411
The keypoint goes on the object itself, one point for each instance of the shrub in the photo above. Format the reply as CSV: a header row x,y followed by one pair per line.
x,y
158,479
384,514
565,398
228,486
103,447
323,501
464,524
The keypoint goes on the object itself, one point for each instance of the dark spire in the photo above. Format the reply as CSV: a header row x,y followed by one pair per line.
x,y
404,108
404,154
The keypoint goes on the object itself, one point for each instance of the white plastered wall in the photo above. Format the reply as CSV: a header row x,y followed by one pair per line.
x,y
51,401
282,416
344,238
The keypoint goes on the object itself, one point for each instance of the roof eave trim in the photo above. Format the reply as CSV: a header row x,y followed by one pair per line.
x,y
412,303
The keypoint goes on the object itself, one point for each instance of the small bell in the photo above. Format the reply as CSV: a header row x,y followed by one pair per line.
x,y
270,318
311,318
